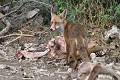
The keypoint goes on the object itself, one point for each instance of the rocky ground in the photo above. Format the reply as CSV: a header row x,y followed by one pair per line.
x,y
45,68
34,69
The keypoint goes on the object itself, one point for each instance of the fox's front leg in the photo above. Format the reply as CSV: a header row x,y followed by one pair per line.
x,y
67,51
74,53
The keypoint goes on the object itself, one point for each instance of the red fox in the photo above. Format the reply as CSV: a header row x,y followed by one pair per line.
x,y
74,35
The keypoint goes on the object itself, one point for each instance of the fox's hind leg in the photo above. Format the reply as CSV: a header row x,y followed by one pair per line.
x,y
82,50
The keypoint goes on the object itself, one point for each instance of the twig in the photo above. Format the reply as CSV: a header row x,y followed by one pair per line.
x,y
20,35
27,78
41,3
7,23
102,39
62,72
5,30
6,4
22,6
27,35
15,38
12,11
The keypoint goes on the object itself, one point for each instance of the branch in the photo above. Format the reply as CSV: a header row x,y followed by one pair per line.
x,y
20,35
12,11
7,23
5,30
41,3
15,38
22,6
16,35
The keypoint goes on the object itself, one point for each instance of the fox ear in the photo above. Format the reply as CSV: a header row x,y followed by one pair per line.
x,y
63,14
51,10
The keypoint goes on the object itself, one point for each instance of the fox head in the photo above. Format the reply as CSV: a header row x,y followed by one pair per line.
x,y
57,21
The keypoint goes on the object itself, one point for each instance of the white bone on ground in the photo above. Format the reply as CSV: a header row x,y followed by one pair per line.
x,y
93,56
112,31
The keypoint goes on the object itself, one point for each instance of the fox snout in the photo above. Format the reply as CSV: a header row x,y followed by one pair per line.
x,y
52,29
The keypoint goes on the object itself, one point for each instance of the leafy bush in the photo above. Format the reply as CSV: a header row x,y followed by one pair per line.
x,y
91,12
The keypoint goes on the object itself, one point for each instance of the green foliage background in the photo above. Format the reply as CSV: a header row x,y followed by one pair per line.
x,y
91,12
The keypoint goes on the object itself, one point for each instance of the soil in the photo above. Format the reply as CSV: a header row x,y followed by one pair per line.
x,y
43,68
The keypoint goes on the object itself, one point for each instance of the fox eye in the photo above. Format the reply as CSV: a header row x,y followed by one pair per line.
x,y
51,46
56,22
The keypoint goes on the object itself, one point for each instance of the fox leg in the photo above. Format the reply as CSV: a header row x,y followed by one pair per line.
x,y
67,51
84,55
74,53
82,50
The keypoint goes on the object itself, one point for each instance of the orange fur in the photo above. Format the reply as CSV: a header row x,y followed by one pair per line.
x,y
74,35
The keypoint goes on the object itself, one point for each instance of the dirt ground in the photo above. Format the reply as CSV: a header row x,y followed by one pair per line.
x,y
30,69
42,68
34,69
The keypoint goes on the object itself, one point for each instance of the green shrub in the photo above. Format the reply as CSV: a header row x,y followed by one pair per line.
x,y
95,12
